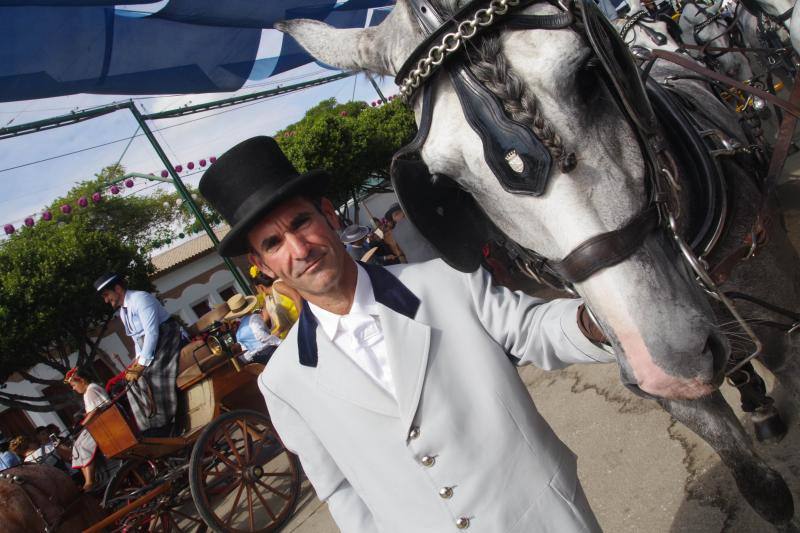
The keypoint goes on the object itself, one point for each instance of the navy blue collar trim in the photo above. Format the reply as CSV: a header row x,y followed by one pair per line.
x,y
388,291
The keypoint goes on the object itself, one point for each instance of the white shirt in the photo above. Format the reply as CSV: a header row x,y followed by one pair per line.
x,y
94,397
359,334
142,314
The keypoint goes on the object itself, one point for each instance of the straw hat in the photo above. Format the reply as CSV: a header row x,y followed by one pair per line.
x,y
240,306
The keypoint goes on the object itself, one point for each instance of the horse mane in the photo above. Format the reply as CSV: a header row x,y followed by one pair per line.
x,y
490,66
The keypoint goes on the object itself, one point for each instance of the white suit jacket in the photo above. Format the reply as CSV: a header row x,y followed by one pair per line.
x,y
463,446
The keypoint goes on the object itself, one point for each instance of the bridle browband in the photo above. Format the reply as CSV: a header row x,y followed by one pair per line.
x,y
444,43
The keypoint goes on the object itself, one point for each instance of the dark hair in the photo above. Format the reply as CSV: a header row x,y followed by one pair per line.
x,y
84,374
40,429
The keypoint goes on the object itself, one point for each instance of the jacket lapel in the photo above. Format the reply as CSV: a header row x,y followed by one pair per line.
x,y
407,343
339,376
407,346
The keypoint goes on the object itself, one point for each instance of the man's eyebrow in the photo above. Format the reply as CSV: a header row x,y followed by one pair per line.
x,y
298,220
269,242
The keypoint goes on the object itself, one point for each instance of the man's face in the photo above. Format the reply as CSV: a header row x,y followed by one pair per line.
x,y
113,296
297,243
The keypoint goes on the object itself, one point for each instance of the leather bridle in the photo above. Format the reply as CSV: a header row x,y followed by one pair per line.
x,y
440,50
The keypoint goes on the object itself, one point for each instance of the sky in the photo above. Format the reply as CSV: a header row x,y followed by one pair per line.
x,y
39,167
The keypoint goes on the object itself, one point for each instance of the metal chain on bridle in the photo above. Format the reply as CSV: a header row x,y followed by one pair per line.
x,y
452,42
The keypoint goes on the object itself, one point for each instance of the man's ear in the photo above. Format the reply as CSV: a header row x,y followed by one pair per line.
x,y
330,213
256,260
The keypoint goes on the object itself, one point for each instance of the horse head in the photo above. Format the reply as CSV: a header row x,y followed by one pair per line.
x,y
649,305
703,24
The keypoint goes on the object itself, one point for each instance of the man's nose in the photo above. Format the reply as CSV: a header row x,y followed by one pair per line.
x,y
297,245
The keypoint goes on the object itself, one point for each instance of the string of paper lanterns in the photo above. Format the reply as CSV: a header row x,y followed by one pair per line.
x,y
114,189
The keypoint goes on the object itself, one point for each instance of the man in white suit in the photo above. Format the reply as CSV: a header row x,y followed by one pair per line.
x,y
398,388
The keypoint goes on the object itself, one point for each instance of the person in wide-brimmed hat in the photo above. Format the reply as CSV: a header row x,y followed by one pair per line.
x,y
253,335
157,337
400,373
353,237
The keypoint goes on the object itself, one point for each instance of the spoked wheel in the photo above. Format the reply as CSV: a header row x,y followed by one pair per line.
x,y
170,509
241,476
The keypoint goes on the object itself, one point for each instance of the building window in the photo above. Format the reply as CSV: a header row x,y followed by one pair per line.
x,y
201,308
226,293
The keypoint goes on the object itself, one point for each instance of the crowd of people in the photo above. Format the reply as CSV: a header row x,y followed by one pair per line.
x,y
43,447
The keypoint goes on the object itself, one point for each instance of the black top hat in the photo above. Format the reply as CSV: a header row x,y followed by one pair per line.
x,y
106,281
248,181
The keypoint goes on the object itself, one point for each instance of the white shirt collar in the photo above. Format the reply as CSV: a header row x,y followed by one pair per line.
x,y
363,304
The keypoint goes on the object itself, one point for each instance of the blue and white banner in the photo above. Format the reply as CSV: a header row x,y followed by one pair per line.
x,y
60,47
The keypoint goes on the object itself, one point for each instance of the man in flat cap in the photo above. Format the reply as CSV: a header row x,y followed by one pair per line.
x,y
397,388
157,336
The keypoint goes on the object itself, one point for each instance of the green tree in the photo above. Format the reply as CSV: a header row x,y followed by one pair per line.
x,y
48,308
352,141
148,221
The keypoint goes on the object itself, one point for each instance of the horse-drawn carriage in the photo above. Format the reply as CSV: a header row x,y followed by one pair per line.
x,y
227,462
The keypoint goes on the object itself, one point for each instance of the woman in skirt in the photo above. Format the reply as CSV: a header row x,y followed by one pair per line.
x,y
84,449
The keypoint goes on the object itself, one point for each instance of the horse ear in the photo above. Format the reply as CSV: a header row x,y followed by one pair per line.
x,y
347,49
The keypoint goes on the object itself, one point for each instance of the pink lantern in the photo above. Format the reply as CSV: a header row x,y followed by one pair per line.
x,y
9,229
129,183
179,168
29,221
66,209
114,189
164,173
212,159
47,215
190,165
82,201
202,162
96,197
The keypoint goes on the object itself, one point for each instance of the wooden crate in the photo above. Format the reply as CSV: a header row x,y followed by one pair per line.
x,y
112,432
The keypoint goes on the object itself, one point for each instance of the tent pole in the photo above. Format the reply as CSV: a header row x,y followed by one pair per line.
x,y
375,86
245,287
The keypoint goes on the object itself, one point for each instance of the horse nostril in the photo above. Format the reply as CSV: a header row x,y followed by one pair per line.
x,y
719,356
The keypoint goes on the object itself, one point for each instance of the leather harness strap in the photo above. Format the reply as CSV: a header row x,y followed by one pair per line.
x,y
606,249
690,64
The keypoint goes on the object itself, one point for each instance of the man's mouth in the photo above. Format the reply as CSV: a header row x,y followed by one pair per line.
x,y
311,266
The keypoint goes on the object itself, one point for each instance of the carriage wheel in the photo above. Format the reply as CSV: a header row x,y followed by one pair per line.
x,y
241,476
172,511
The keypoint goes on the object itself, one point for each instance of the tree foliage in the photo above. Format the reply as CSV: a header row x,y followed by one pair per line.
x,y
352,141
147,221
48,308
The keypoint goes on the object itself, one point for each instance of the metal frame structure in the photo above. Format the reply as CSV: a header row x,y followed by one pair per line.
x,y
141,119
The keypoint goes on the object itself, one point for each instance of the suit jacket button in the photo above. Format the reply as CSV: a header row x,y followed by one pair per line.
x,y
462,523
414,433
446,492
428,460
